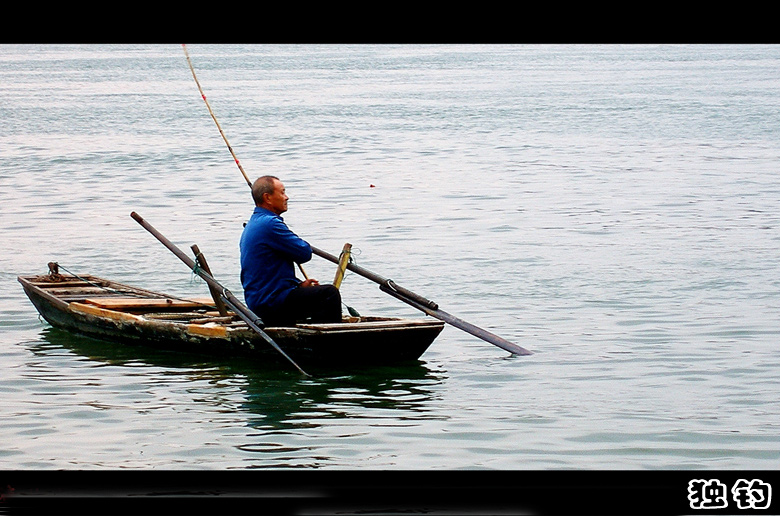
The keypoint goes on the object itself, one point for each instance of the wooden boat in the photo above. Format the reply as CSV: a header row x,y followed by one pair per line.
x,y
112,311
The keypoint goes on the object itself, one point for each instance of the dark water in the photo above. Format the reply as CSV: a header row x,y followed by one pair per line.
x,y
613,209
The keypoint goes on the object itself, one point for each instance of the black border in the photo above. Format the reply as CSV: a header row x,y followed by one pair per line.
x,y
329,492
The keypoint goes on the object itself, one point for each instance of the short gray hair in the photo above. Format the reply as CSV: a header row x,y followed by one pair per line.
x,y
263,185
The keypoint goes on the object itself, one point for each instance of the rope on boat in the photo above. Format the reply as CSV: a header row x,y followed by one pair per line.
x,y
351,311
195,272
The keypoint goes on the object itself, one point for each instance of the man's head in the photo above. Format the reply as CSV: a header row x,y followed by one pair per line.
x,y
268,192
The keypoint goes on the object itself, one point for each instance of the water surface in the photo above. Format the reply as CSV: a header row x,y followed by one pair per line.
x,y
611,208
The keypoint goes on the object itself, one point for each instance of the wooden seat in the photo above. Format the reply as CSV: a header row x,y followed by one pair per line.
x,y
132,303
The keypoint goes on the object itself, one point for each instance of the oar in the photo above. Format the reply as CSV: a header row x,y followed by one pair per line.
x,y
427,306
233,303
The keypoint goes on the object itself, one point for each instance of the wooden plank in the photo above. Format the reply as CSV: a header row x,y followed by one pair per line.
x,y
207,330
370,325
102,312
60,284
218,320
72,291
130,303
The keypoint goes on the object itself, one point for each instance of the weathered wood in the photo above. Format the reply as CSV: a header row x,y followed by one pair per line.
x,y
367,325
85,291
207,331
103,312
219,320
60,284
215,294
134,303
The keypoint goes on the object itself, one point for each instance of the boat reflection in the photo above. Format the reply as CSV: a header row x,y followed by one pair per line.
x,y
272,396
402,393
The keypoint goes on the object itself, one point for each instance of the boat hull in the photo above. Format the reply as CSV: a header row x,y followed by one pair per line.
x,y
123,314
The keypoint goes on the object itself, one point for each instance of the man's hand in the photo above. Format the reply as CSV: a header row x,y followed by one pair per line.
x,y
309,282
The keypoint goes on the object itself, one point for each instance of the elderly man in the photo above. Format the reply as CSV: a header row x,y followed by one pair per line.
x,y
269,251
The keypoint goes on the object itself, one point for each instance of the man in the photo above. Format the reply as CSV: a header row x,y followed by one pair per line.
x,y
269,251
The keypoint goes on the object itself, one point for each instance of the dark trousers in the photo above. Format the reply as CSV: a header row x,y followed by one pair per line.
x,y
314,304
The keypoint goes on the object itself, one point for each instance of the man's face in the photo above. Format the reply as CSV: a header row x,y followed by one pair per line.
x,y
277,202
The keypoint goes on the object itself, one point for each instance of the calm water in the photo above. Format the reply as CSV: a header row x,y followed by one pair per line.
x,y
614,209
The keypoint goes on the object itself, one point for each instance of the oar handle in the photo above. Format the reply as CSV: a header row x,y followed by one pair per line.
x,y
461,324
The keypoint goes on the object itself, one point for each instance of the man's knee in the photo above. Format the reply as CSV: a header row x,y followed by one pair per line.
x,y
332,294
318,303
331,303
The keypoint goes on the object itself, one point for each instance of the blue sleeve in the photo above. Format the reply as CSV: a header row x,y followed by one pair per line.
x,y
288,243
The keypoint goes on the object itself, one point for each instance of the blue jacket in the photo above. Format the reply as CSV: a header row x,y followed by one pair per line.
x,y
269,251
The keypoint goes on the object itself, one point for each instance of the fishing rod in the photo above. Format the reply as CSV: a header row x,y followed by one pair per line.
x,y
385,285
192,69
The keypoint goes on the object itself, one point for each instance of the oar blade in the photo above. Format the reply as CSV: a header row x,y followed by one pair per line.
x,y
460,324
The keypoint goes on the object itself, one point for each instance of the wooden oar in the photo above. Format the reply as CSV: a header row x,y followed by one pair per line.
x,y
242,311
426,306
